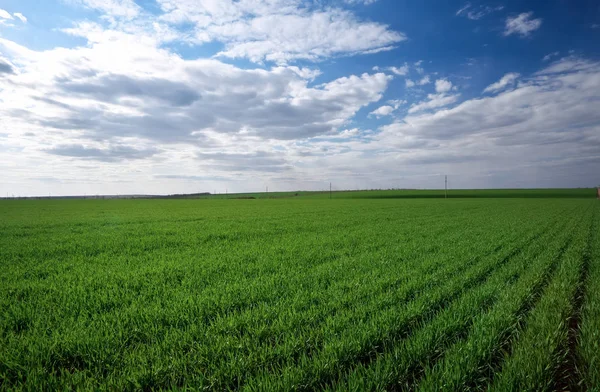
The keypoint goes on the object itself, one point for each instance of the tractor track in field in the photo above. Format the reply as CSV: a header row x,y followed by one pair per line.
x,y
378,347
569,374
510,337
412,381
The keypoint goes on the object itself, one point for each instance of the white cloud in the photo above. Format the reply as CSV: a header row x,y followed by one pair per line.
x,y
386,110
363,2
476,13
522,24
396,103
550,55
382,111
20,16
350,132
279,30
159,123
421,82
543,132
425,80
462,10
129,88
5,14
506,80
403,70
443,85
418,67
434,101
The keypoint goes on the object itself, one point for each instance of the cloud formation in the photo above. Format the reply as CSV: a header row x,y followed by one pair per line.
x,y
522,24
126,106
477,12
278,30
443,85
5,67
5,14
109,154
434,101
543,130
20,16
507,80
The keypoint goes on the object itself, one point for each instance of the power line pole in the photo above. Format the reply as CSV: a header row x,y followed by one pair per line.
x,y
445,187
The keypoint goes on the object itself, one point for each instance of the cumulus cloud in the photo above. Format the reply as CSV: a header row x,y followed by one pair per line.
x,y
402,71
544,131
522,24
443,85
434,101
5,67
148,115
507,80
281,30
385,110
108,154
421,82
5,14
151,94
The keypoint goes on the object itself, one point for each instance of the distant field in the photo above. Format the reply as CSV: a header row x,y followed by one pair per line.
x,y
386,290
416,194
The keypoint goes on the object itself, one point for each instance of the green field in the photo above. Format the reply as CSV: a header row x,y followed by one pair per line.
x,y
388,290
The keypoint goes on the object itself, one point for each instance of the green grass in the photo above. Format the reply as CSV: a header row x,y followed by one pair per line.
x,y
370,291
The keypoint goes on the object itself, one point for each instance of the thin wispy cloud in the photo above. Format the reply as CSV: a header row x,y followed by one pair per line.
x,y
20,16
507,80
477,12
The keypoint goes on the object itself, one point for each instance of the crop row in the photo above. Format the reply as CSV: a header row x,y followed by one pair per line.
x,y
376,294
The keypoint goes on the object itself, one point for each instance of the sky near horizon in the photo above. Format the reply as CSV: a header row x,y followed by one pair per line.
x,y
182,96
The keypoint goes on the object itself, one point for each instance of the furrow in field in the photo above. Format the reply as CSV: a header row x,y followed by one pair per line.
x,y
332,298
308,376
471,362
412,266
149,332
570,374
588,347
541,352
403,365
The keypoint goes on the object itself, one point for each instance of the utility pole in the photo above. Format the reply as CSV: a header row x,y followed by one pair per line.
x,y
445,187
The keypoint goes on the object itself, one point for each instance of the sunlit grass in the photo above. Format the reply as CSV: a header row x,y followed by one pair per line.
x,y
297,293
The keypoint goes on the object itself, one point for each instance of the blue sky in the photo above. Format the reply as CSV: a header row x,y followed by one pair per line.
x,y
172,96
